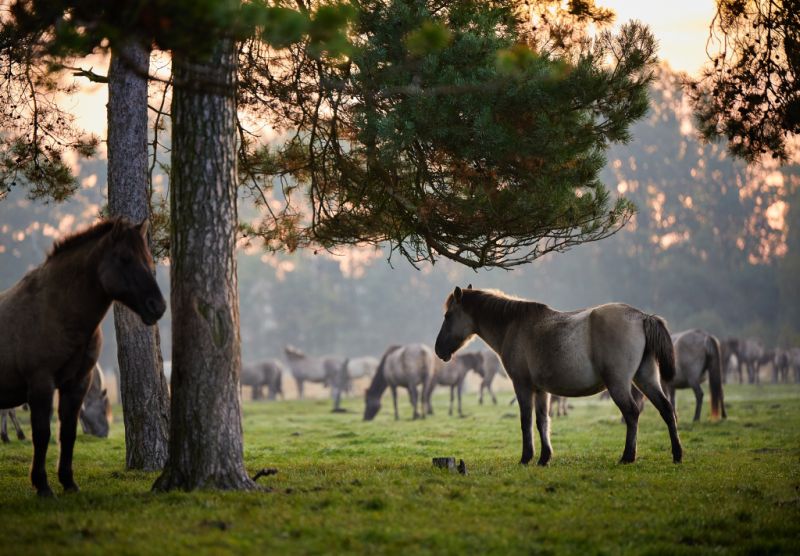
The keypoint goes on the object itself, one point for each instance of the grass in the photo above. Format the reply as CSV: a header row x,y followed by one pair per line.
x,y
346,486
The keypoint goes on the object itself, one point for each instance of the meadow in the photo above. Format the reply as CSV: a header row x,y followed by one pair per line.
x,y
346,486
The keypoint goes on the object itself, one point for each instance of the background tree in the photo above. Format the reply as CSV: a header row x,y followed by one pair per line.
x,y
749,94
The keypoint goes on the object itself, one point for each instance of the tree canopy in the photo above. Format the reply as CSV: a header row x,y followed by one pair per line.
x,y
750,93
447,133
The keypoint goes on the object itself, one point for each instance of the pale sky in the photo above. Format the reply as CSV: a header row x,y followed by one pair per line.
x,y
681,27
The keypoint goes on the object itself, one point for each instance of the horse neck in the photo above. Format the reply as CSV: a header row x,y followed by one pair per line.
x,y
493,320
378,385
72,287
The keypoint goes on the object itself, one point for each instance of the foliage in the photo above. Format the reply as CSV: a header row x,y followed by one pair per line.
x,y
346,486
750,94
444,134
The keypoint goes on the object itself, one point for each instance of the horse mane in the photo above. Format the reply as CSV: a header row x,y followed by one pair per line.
x,y
82,237
495,306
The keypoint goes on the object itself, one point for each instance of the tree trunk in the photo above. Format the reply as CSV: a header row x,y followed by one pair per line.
x,y
206,425
143,387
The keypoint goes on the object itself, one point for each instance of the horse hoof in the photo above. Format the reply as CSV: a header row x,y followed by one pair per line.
x,y
45,493
71,489
625,460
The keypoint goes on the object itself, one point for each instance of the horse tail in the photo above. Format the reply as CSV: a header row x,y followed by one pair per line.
x,y
659,344
714,366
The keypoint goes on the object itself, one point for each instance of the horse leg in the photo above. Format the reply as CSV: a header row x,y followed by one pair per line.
x,y
394,399
647,380
17,428
494,398
480,397
452,395
299,388
40,401
412,396
70,398
524,398
621,395
460,390
542,403
4,427
698,398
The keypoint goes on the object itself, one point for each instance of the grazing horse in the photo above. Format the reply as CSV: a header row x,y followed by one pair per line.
x,y
312,369
267,373
10,414
408,366
491,366
696,353
51,336
452,374
95,416
571,354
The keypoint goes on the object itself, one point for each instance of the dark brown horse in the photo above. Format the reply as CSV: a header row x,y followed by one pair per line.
x,y
51,336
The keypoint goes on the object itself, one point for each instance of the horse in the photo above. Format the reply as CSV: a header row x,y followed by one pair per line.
x,y
793,356
560,404
95,416
10,414
780,366
578,353
491,366
697,353
408,366
51,335
352,369
751,354
729,348
267,373
312,369
452,374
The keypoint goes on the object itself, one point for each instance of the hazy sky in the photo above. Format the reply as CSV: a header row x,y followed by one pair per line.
x,y
681,27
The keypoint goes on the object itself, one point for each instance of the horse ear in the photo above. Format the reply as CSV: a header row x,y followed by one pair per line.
x,y
469,287
457,294
144,227
118,229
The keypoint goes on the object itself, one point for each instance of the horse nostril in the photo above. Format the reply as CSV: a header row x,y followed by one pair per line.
x,y
155,306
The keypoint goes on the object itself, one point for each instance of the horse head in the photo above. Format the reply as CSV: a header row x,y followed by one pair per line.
x,y
126,271
457,328
95,415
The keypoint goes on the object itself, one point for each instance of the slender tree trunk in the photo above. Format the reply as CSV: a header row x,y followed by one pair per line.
x,y
206,425
143,387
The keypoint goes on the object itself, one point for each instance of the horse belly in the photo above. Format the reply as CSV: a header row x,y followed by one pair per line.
x,y
573,376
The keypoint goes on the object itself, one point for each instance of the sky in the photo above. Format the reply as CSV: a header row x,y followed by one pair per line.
x,y
681,27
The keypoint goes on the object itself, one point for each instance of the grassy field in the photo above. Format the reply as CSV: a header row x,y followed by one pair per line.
x,y
346,486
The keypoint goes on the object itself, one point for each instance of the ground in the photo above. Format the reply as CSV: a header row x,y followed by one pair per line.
x,y
346,486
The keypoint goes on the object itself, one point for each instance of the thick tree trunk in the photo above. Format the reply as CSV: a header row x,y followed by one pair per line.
x,y
206,426
143,387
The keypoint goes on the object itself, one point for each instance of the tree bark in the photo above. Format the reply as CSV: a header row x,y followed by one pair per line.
x,y
143,387
206,448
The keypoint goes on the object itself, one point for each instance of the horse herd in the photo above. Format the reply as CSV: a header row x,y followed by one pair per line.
x,y
52,340
415,367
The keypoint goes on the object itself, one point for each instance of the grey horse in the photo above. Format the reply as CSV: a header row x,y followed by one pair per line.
x,y
6,414
491,367
452,374
267,373
697,354
793,356
578,353
407,366
313,369
95,416
352,369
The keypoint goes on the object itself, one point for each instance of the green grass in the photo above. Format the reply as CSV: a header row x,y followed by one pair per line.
x,y
355,487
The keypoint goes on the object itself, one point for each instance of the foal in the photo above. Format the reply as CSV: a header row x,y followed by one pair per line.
x,y
571,354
